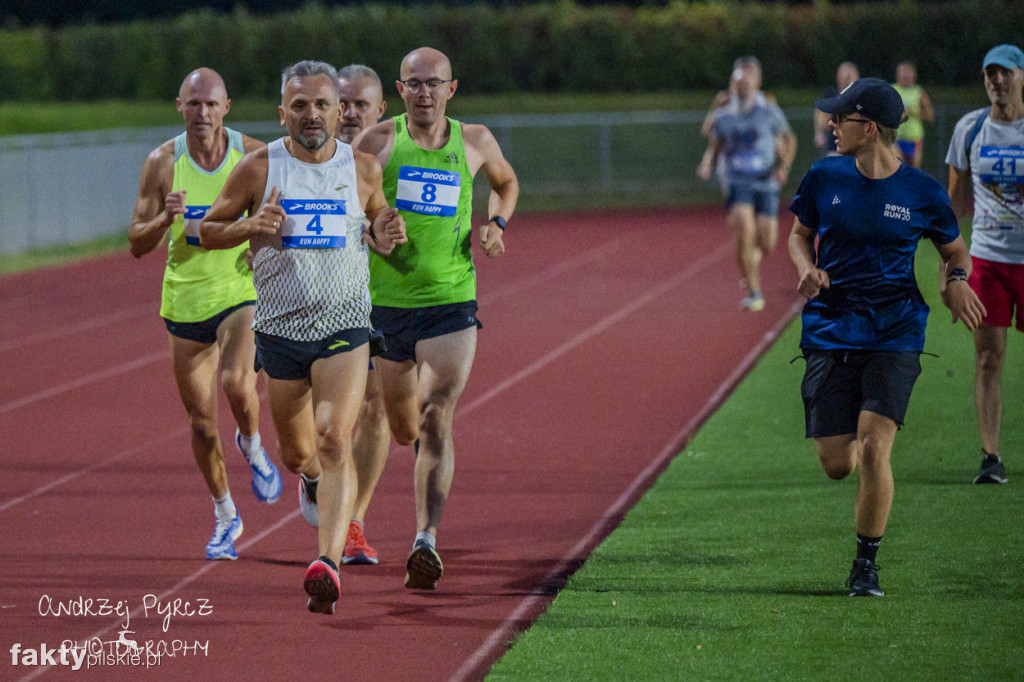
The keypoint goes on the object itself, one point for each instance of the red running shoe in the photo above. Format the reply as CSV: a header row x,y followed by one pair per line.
x,y
322,586
357,551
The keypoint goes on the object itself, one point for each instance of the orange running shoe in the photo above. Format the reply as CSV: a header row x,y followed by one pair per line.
x,y
357,551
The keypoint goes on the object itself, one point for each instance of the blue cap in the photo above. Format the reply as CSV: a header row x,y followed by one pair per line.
x,y
1008,56
872,98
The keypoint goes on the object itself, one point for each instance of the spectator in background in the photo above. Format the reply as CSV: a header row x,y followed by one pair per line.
x,y
910,136
823,139
208,296
986,163
758,145
859,218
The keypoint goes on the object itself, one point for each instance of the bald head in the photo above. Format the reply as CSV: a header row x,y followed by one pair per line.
x,y
426,59
203,102
203,79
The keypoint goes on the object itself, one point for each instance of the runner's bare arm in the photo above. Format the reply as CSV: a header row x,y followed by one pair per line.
x,y
156,206
387,227
484,154
224,226
958,296
801,253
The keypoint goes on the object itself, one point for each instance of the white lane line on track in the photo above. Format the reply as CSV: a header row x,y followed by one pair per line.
x,y
85,325
499,638
192,577
177,433
83,381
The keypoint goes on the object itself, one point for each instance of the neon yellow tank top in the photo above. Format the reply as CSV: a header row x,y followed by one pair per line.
x,y
198,283
433,189
913,129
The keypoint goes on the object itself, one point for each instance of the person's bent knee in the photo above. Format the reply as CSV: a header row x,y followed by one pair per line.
x,y
293,457
237,384
837,470
405,433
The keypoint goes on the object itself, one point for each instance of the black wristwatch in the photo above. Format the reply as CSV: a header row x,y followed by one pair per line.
x,y
499,221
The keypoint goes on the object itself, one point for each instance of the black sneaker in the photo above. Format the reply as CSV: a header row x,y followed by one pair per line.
x,y
863,580
992,470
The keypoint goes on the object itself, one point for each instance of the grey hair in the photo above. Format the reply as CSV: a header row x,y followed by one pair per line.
x,y
308,69
355,71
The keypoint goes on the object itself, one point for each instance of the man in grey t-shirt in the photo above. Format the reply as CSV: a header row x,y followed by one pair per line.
x,y
755,139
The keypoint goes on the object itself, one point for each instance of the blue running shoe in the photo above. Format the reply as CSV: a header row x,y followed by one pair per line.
x,y
222,544
266,479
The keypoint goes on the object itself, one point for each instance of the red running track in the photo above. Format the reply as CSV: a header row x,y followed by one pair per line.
x,y
608,337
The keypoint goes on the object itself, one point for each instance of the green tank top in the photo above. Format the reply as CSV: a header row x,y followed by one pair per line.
x,y
199,284
913,129
434,191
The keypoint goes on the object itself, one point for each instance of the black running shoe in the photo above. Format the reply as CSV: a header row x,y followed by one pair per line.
x,y
863,580
992,470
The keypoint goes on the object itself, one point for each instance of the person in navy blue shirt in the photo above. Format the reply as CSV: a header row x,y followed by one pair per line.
x,y
864,321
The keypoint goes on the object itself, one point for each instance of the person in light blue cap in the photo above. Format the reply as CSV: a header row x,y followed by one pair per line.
x,y
986,161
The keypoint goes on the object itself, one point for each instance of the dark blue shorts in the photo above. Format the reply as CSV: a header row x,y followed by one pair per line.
x,y
289,360
403,328
205,331
765,202
839,384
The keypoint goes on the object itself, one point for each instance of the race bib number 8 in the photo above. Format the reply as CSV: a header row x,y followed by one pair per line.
x,y
314,223
428,191
193,216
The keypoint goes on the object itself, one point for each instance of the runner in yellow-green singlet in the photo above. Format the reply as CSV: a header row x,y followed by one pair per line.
x,y
424,292
208,296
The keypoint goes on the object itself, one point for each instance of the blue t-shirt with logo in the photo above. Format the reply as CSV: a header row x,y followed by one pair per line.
x,y
867,233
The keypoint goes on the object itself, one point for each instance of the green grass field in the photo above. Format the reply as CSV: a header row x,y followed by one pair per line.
x,y
732,567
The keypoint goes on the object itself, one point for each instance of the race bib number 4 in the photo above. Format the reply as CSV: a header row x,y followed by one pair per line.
x,y
193,216
314,223
428,191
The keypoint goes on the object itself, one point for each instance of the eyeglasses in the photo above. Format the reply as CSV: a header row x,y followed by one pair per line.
x,y
431,83
839,119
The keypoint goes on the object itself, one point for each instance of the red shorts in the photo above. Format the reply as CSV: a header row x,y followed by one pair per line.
x,y
1000,286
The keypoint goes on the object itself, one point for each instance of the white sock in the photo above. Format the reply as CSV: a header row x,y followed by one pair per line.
x,y
307,479
224,508
427,538
250,445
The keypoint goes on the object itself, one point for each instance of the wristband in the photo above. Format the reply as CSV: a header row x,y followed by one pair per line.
x,y
499,221
369,228
957,274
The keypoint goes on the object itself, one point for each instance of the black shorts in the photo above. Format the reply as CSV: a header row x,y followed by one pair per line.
x,y
289,360
403,328
205,331
839,384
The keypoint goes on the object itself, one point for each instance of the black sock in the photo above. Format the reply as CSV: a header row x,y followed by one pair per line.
x,y
867,547
989,457
326,560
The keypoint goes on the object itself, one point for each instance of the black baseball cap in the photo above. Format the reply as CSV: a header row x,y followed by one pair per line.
x,y
872,98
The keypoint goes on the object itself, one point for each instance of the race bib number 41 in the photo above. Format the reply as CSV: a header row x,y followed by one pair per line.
x,y
314,223
428,191
1002,171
